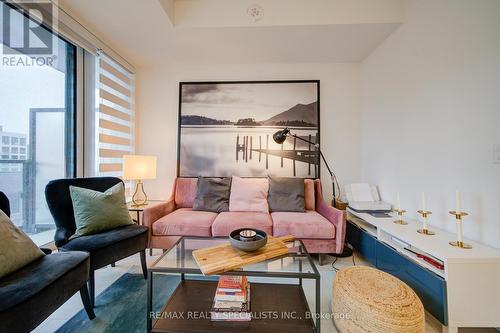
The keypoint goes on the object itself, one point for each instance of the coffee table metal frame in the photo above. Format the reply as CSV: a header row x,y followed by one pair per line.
x,y
180,255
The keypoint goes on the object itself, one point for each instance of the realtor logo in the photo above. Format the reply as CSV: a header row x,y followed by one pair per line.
x,y
23,30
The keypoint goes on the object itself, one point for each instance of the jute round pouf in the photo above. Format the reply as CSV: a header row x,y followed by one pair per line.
x,y
366,299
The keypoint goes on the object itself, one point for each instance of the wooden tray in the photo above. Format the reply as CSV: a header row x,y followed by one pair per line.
x,y
224,258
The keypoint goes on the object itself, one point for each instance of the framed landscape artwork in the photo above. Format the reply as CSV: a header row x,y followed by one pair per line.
x,y
226,129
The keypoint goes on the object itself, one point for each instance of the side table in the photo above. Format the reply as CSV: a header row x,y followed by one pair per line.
x,y
139,209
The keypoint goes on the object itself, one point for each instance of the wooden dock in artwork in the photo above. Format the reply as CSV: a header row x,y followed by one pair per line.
x,y
245,146
306,156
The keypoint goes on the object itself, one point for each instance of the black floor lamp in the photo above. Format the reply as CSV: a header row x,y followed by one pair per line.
x,y
280,137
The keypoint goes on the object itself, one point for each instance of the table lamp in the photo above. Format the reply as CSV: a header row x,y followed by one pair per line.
x,y
139,168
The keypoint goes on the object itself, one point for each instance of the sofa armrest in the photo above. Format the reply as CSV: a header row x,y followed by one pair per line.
x,y
336,216
152,214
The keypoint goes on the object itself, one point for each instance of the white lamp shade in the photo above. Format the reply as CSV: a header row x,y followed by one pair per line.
x,y
139,167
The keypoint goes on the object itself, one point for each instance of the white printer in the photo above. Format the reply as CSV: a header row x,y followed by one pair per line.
x,y
363,197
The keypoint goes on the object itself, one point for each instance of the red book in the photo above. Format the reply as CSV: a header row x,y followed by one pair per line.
x,y
232,283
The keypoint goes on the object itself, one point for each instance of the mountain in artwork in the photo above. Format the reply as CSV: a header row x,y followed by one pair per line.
x,y
298,115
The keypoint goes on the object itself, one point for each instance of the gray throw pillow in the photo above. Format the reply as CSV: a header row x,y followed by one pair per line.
x,y
99,211
16,249
212,194
286,195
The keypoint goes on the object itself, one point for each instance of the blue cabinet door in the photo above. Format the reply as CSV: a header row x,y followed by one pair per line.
x,y
363,242
430,287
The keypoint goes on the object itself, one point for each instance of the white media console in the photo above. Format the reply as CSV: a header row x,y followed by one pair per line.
x,y
464,293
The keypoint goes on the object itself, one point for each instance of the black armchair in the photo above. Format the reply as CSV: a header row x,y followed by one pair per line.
x,y
104,248
29,295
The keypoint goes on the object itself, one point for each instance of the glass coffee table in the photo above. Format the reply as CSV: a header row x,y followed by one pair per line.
x,y
277,299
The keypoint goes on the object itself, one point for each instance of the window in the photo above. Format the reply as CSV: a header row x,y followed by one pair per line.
x,y
37,109
22,150
14,150
5,157
5,150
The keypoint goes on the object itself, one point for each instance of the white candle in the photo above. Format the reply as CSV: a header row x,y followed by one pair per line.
x,y
424,216
398,198
459,231
423,201
457,202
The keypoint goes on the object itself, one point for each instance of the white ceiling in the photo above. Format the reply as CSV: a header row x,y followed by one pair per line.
x,y
141,31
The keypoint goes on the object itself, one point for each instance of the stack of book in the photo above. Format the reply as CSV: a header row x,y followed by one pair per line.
x,y
232,299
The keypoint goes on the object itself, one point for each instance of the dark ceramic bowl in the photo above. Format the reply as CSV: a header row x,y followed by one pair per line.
x,y
240,239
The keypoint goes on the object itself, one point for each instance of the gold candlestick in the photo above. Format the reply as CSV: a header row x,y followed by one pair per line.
x,y
425,230
459,242
400,217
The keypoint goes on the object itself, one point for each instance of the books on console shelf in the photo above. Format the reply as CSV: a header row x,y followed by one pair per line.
x,y
231,305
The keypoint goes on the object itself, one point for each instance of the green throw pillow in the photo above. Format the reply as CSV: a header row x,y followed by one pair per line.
x,y
99,211
16,249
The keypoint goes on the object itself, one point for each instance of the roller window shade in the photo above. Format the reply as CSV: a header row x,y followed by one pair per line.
x,y
115,121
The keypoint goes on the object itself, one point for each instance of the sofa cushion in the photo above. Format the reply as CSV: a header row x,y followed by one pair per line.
x,y
302,225
185,222
185,192
228,221
309,197
286,194
249,195
212,194
33,278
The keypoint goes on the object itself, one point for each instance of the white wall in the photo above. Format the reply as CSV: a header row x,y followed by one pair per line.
x,y
157,110
431,113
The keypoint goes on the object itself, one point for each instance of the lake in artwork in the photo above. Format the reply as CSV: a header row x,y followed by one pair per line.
x,y
227,128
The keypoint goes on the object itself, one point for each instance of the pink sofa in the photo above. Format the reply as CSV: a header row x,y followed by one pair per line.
x,y
321,227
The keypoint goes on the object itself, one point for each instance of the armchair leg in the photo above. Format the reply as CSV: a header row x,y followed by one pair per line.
x,y
143,264
113,264
84,294
91,285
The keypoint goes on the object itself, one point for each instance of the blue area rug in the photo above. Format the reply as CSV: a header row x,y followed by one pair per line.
x,y
122,306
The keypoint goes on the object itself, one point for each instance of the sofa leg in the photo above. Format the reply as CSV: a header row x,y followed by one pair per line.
x,y
113,264
150,252
91,285
321,258
84,294
143,264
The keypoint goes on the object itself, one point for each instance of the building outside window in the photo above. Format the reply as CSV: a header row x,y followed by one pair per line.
x,y
37,116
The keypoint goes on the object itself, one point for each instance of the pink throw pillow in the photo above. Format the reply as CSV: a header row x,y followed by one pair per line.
x,y
249,195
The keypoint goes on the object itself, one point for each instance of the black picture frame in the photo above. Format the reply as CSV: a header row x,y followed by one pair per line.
x,y
179,114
